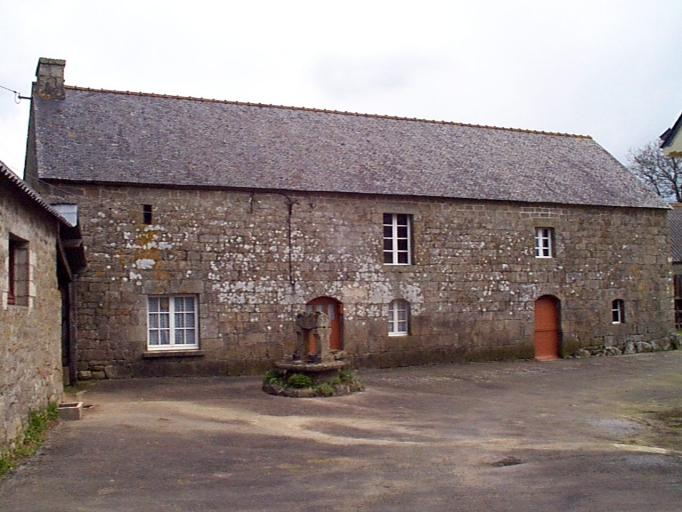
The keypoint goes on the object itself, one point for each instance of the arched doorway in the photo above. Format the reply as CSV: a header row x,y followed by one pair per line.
x,y
547,328
334,310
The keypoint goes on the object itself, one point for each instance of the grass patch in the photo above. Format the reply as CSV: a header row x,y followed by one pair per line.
x,y
39,424
672,418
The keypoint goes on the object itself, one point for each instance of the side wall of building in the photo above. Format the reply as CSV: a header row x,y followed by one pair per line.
x,y
30,329
253,260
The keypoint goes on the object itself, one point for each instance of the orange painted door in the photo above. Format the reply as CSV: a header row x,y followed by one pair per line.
x,y
333,309
547,328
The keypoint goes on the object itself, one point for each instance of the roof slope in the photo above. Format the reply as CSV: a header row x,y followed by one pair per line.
x,y
109,136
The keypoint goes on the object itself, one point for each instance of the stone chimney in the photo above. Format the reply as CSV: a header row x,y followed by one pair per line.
x,y
50,78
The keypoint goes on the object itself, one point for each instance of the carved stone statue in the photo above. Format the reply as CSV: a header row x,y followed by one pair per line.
x,y
313,330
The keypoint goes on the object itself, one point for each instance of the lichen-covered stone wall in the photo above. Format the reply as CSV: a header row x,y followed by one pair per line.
x,y
30,330
254,260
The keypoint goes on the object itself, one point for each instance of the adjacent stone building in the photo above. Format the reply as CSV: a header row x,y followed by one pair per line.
x,y
210,224
39,251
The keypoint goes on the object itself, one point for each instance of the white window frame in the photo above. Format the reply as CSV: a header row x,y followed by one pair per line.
x,y
397,239
399,318
618,311
544,243
169,322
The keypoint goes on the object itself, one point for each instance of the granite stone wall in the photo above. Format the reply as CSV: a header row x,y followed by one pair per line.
x,y
30,330
253,260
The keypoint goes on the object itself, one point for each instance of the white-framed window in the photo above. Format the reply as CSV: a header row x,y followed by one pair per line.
x,y
618,311
398,318
397,233
544,243
172,322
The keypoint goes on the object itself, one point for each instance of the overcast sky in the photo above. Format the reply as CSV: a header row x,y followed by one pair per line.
x,y
609,69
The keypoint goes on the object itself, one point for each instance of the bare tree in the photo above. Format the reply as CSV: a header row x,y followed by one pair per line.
x,y
660,172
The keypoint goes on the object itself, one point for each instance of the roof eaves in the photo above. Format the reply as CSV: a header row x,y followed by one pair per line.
x,y
25,189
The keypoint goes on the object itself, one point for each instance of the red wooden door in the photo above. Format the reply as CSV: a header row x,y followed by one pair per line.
x,y
334,310
547,328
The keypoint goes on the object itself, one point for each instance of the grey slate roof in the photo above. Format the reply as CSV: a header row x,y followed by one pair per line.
x,y
22,189
135,138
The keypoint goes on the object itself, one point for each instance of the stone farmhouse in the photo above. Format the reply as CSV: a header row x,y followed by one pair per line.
x,y
40,251
210,224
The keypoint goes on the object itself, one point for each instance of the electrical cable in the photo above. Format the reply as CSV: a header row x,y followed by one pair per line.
x,y
17,95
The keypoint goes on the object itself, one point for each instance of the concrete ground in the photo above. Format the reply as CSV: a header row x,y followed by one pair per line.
x,y
574,434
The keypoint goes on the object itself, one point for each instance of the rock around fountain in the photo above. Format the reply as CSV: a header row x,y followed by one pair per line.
x,y
313,358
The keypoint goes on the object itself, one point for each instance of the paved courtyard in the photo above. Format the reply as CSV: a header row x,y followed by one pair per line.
x,y
574,434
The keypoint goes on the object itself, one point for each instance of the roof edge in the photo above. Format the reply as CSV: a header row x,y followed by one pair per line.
x,y
32,194
668,135
283,191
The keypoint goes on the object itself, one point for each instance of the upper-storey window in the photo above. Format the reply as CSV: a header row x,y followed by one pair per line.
x,y
397,233
544,243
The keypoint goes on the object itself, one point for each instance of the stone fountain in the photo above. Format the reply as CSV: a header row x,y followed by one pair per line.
x,y
313,358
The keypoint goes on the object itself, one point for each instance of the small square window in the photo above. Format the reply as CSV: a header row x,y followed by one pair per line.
x,y
398,318
618,312
172,323
397,239
544,243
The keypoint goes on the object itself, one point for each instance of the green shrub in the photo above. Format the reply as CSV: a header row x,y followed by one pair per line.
x,y
346,376
273,377
325,389
299,380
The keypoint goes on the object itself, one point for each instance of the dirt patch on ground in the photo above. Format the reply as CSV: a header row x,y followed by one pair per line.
x,y
592,434
664,429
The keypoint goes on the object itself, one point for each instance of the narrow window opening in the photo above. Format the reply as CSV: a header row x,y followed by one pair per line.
x,y
18,272
618,312
11,294
147,213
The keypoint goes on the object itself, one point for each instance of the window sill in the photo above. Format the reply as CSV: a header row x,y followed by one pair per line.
x,y
399,267
152,354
